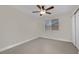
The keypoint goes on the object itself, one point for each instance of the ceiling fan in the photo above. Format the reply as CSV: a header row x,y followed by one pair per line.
x,y
43,10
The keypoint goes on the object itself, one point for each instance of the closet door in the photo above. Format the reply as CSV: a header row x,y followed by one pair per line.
x,y
77,29
73,30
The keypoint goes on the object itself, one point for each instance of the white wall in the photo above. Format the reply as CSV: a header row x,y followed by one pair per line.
x,y
16,26
64,32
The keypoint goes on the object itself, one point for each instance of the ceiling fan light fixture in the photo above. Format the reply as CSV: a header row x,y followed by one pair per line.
x,y
42,12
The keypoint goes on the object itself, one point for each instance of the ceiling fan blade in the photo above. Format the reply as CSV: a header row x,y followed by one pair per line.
x,y
43,7
39,6
48,12
50,8
35,11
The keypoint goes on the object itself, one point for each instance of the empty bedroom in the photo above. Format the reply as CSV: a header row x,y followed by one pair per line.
x,y
39,29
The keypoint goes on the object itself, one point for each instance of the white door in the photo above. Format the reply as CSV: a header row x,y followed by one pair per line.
x,y
77,29
73,30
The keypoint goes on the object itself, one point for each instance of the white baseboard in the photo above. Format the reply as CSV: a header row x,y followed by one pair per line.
x,y
17,44
22,42
55,39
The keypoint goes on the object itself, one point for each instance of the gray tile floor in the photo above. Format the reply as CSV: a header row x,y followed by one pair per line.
x,y
43,46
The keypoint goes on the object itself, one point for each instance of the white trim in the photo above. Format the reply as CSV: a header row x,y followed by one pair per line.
x,y
17,44
22,42
56,39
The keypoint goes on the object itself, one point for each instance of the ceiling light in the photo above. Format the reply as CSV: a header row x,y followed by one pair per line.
x,y
42,12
